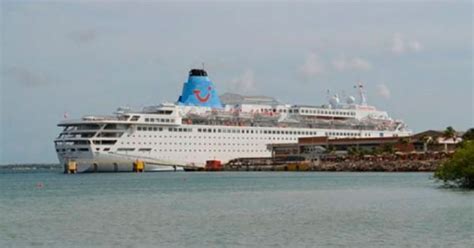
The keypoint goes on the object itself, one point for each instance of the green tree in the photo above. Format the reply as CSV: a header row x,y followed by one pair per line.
x,y
331,149
449,133
353,151
388,148
459,170
469,134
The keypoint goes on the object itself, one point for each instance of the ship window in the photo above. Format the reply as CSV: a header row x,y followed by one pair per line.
x,y
147,119
106,149
126,149
135,118
83,149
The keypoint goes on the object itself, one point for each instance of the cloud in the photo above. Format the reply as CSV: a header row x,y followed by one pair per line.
x,y
84,36
383,91
398,45
312,67
245,83
342,63
402,45
25,77
415,46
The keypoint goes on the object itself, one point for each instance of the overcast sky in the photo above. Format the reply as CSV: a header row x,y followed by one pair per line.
x,y
86,57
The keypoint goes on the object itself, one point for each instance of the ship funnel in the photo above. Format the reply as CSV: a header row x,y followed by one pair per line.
x,y
199,91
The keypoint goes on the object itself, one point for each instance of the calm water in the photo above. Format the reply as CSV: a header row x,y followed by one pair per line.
x,y
261,209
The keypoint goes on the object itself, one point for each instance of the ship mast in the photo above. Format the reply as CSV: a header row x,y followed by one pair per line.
x,y
360,89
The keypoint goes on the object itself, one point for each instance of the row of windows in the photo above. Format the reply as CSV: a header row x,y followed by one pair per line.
x,y
164,112
246,131
180,129
139,128
149,128
73,150
327,112
218,130
218,137
343,134
190,150
162,120
269,110
190,143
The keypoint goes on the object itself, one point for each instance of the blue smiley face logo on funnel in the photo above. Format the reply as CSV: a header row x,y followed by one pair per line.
x,y
199,91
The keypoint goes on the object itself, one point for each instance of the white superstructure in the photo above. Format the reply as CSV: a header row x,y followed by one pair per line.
x,y
189,132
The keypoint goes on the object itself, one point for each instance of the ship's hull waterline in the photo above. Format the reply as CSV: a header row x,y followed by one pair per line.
x,y
111,163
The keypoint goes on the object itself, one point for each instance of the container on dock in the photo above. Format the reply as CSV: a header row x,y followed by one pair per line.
x,y
213,165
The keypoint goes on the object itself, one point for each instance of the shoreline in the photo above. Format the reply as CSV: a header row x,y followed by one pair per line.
x,y
332,166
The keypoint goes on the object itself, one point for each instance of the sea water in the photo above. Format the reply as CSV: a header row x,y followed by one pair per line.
x,y
232,209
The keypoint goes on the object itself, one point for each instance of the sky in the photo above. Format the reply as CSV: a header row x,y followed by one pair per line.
x,y
90,57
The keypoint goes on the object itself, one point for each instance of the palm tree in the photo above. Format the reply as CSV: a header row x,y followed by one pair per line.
x,y
449,133
426,140
330,149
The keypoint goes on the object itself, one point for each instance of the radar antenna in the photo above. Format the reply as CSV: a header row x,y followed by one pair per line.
x,y
360,89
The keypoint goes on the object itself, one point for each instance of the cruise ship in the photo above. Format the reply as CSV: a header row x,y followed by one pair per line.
x,y
202,126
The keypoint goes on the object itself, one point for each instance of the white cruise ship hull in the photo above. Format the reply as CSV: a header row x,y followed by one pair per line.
x,y
98,162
